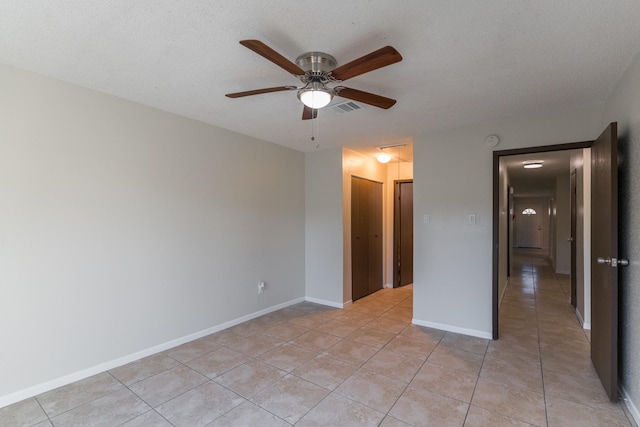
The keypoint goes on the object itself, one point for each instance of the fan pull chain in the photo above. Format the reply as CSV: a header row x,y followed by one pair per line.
x,y
313,133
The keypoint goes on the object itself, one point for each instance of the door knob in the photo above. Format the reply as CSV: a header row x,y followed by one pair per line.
x,y
569,239
614,262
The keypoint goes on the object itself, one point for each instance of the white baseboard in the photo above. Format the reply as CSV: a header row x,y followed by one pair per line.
x,y
85,373
325,302
585,325
630,404
456,329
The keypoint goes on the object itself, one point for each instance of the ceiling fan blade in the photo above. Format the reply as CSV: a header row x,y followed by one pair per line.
x,y
374,60
265,51
366,97
259,91
309,113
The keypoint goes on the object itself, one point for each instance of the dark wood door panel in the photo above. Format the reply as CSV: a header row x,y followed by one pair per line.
x,y
366,237
604,246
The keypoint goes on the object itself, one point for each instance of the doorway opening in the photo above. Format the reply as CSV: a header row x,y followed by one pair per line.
x,y
403,233
517,196
600,252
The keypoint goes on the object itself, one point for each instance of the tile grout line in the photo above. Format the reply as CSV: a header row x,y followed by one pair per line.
x,y
535,300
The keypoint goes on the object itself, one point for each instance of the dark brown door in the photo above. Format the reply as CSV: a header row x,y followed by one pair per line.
x,y
572,238
403,233
604,254
366,237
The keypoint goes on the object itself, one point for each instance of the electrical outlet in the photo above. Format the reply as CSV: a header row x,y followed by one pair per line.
x,y
260,287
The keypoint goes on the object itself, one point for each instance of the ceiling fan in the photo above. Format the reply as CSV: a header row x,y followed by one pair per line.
x,y
318,69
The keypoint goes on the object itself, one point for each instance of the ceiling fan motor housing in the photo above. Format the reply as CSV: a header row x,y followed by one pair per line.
x,y
316,63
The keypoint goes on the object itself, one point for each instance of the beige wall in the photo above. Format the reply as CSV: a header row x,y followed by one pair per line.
x,y
324,227
124,230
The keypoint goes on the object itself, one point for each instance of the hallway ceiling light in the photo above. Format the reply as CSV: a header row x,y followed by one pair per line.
x,y
383,157
533,164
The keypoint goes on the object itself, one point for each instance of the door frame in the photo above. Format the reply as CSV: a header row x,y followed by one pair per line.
x,y
496,212
573,238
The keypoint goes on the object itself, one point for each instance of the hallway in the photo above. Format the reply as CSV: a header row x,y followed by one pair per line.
x,y
365,365
543,353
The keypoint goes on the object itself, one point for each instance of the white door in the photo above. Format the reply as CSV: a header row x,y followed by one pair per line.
x,y
528,226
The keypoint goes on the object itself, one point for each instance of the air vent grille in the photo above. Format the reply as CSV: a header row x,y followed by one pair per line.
x,y
346,107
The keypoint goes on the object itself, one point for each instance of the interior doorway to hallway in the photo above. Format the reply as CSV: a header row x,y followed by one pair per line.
x,y
403,233
599,249
518,193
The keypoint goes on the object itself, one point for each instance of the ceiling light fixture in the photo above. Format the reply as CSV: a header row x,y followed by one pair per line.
x,y
533,165
315,95
383,157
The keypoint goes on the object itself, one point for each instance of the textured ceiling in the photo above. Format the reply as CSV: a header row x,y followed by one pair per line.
x,y
465,62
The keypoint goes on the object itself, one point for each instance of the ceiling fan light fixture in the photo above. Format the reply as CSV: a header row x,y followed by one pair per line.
x,y
315,97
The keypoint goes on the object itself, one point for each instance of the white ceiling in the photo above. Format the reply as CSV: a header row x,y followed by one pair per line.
x,y
465,62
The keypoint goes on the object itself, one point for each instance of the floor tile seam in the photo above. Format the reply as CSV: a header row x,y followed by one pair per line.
x,y
51,418
179,364
256,392
227,411
479,405
584,403
390,377
291,343
537,305
336,392
391,416
518,420
221,373
207,379
329,392
244,399
475,386
597,409
150,410
358,367
183,362
43,411
251,355
359,342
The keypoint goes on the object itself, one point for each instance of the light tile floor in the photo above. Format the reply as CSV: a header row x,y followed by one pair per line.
x,y
365,365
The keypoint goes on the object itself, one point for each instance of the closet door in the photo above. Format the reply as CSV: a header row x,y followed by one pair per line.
x,y
366,237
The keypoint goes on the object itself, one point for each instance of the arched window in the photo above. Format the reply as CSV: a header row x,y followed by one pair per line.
x,y
529,211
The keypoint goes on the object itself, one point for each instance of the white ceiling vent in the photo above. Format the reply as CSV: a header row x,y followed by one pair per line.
x,y
346,107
